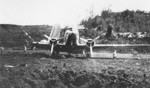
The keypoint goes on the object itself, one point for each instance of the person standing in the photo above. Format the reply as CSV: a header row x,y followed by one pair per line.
x,y
109,30
70,37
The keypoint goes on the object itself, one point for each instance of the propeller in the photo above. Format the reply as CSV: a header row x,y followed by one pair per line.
x,y
47,37
52,48
53,42
29,42
28,35
90,43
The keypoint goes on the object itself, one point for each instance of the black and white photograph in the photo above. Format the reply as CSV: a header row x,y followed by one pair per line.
x,y
74,44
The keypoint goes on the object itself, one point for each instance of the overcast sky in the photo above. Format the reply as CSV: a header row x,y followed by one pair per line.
x,y
64,12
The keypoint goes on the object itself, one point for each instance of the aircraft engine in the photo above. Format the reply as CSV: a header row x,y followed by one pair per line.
x,y
90,42
33,45
53,41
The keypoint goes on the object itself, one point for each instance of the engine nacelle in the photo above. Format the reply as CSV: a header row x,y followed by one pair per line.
x,y
53,41
34,45
90,42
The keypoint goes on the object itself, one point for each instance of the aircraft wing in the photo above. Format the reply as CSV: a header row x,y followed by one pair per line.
x,y
40,46
117,45
64,48
60,47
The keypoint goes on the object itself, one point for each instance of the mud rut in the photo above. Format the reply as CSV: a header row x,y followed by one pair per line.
x,y
35,71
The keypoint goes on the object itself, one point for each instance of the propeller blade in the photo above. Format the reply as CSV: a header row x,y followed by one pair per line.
x,y
91,51
25,33
85,40
96,38
25,47
27,41
52,48
47,37
31,38
28,35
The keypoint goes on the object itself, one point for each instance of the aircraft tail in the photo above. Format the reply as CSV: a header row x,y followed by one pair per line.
x,y
55,33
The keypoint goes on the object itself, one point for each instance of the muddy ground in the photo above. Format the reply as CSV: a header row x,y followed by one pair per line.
x,y
39,71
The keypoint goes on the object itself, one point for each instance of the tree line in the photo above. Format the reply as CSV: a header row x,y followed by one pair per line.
x,y
126,21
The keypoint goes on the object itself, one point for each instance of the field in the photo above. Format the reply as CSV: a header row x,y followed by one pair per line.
x,y
37,70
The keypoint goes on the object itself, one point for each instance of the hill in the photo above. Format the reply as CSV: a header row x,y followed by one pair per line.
x,y
12,35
